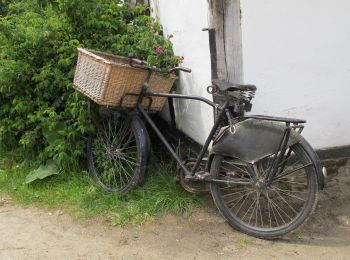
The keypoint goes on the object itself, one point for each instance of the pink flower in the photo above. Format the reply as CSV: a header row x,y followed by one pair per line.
x,y
159,49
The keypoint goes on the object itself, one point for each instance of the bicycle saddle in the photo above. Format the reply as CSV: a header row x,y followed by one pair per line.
x,y
228,86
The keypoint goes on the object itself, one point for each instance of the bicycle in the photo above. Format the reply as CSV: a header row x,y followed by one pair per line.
x,y
264,176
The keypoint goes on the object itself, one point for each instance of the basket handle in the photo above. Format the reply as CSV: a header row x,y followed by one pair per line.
x,y
96,57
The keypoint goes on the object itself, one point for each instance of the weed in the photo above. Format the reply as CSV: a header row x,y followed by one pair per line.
x,y
244,242
297,233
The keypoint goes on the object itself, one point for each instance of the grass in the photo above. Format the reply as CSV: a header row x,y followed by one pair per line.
x,y
246,241
298,234
77,195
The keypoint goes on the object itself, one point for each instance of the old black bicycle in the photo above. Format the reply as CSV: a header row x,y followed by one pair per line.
x,y
264,176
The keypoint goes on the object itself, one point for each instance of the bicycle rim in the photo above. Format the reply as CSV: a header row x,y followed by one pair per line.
x,y
267,211
114,153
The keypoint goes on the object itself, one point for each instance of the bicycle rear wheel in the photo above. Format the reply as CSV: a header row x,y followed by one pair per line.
x,y
267,210
118,151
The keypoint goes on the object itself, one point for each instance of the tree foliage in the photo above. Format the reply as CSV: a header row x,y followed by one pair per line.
x,y
40,113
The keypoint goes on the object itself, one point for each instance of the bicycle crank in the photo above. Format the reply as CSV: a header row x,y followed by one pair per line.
x,y
194,185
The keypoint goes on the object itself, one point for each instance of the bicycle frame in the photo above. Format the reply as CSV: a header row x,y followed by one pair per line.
x,y
220,111
192,174
166,143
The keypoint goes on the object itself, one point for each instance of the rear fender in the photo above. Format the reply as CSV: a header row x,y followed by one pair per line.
x,y
255,139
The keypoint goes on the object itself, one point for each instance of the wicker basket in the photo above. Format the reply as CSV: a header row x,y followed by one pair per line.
x,y
105,78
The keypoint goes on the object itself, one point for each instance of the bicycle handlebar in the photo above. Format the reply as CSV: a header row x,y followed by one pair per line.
x,y
180,68
137,63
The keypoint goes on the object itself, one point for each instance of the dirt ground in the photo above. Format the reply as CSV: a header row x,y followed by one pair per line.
x,y
30,233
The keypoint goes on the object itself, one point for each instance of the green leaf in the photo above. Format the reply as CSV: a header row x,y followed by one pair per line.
x,y
52,135
42,172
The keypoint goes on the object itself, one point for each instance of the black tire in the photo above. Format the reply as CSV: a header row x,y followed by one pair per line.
x,y
118,151
267,210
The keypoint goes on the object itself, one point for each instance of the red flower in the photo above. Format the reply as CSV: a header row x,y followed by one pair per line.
x,y
159,49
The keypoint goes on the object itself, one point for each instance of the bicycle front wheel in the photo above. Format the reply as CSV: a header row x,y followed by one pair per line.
x,y
118,151
267,209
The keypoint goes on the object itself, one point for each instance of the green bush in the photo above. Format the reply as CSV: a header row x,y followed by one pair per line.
x,y
40,114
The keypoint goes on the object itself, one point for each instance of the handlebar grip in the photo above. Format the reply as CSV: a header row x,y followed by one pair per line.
x,y
185,69
180,68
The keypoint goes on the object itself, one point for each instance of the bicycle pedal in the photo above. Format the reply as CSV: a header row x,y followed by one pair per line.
x,y
206,176
201,175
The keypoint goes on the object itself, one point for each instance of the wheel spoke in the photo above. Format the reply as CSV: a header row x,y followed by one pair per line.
x,y
238,168
246,197
239,199
261,217
290,206
268,207
253,203
292,171
254,210
230,194
278,209
287,193
292,182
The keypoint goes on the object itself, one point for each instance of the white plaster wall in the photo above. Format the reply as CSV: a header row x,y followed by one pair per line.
x,y
185,19
297,52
